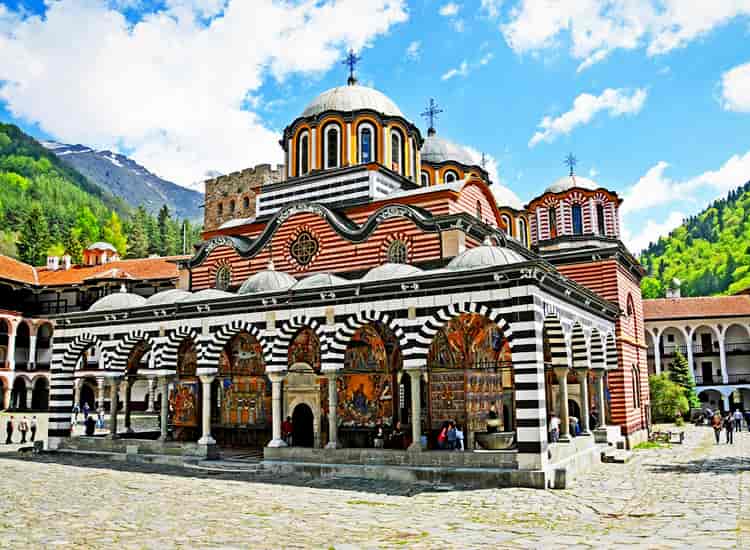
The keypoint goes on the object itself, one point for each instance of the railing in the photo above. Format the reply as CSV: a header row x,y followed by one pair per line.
x,y
717,381
698,349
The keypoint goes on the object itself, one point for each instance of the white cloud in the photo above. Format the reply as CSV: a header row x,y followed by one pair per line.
x,y
595,28
616,102
461,70
735,89
414,51
486,58
490,8
593,172
655,188
450,9
650,232
173,89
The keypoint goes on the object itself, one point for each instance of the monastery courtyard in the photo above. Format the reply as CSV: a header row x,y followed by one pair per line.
x,y
697,494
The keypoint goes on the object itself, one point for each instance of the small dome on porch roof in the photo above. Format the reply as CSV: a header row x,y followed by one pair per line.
x,y
390,271
208,294
118,300
167,297
485,256
319,280
267,280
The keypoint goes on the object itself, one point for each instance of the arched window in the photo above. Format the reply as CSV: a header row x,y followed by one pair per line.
x,y
552,214
220,209
397,157
231,207
600,218
303,154
577,219
523,231
223,278
246,203
366,143
332,152
450,176
636,388
425,179
398,253
479,210
508,224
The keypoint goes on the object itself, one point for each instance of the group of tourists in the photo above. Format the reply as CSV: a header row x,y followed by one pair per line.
x,y
450,437
24,427
385,437
90,424
729,423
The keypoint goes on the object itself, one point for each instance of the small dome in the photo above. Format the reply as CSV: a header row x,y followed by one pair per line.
x,y
352,98
236,222
569,182
390,271
505,197
208,294
320,280
118,300
101,245
485,256
437,150
167,297
267,281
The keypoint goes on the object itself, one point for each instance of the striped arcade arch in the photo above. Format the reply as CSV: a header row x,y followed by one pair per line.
x,y
555,338
73,351
417,355
220,338
579,348
125,347
597,350
611,352
167,359
334,358
288,331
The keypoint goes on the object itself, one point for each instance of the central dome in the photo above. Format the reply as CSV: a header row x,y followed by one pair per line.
x,y
569,182
352,98
437,150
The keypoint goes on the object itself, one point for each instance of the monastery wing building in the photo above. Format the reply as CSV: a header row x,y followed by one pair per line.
x,y
374,282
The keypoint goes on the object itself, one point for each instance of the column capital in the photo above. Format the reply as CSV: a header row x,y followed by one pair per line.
x,y
598,373
277,376
561,371
207,378
581,371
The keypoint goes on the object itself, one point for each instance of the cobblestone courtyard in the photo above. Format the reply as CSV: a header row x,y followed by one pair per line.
x,y
697,494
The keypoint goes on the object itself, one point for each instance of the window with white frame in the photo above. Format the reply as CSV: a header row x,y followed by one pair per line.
x,y
450,176
397,160
425,179
303,154
366,140
223,277
332,142
523,231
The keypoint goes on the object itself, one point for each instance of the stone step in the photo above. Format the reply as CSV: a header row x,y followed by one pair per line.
x,y
616,456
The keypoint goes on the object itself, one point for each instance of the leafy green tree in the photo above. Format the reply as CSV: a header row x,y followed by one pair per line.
x,y
87,226
34,240
667,398
112,233
73,246
8,244
679,373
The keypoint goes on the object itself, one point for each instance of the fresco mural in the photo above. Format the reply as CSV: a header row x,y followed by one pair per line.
x,y
244,396
305,348
184,394
136,356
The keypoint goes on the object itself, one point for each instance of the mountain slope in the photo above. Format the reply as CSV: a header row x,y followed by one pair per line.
x,y
709,253
126,178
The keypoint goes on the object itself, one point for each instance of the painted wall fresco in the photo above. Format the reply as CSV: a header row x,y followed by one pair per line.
x,y
305,348
244,395
184,399
187,359
469,341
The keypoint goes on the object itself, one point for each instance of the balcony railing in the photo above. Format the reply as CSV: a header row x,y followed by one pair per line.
x,y
698,349
717,381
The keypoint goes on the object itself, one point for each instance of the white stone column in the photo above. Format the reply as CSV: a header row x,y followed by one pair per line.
x,y
164,412
29,395
6,397
32,351
277,378
151,394
583,382
415,378
599,397
77,392
723,361
114,384
562,397
689,339
333,397
725,399
206,438
313,164
100,392
657,352
11,352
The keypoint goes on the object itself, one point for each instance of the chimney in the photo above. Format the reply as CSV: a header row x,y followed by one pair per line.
x,y
67,262
53,263
673,290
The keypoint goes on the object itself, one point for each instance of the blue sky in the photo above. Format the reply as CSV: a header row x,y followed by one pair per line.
x,y
652,96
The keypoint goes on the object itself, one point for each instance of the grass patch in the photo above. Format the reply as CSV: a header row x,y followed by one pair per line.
x,y
651,445
368,503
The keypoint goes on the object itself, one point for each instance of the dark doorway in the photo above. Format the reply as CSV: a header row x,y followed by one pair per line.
x,y
40,395
574,409
302,426
706,345
87,396
18,395
707,372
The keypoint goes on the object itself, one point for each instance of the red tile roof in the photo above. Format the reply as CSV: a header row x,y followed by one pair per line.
x,y
13,270
695,308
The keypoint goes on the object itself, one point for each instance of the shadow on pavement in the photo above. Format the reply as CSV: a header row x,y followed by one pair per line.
x,y
716,466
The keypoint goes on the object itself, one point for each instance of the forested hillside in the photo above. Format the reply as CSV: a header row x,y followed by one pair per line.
x,y
46,205
709,253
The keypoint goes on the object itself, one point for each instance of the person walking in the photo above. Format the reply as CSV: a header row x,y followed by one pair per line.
x,y
554,429
729,427
76,410
460,438
33,426
716,425
100,418
451,436
9,431
737,420
747,419
23,427
286,430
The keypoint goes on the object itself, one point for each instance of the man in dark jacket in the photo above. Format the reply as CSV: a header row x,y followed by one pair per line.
x,y
9,431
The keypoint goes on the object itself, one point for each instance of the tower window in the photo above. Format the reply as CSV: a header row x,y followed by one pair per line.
x,y
333,146
220,209
366,148
396,157
552,212
508,224
398,252
223,277
425,179
577,220
450,176
231,207
522,232
479,210
304,154
246,203
600,218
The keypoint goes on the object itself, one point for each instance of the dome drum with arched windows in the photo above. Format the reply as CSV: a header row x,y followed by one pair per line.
x,y
446,162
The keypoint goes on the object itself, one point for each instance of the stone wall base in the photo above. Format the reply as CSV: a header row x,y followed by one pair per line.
x,y
633,439
130,447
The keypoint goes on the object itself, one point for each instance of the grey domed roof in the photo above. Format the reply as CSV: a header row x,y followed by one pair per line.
x,y
267,281
436,150
390,271
485,256
118,300
167,297
352,98
505,197
569,182
319,280
207,294
101,245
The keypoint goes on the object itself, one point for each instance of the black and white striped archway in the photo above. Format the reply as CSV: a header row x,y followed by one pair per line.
x,y
287,333
554,341
219,339
167,358
334,358
579,349
127,344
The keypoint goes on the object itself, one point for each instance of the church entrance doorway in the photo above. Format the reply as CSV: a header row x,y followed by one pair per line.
x,y
303,433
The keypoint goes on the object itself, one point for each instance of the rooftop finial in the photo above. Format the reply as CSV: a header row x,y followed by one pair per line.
x,y
484,160
351,61
431,114
570,161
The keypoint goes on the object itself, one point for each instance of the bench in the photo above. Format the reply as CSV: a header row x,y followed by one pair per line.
x,y
669,436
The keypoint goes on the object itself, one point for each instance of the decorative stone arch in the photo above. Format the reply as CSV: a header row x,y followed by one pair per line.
x,y
126,346
417,355
219,339
336,351
167,359
288,331
579,349
611,352
72,352
554,337
597,350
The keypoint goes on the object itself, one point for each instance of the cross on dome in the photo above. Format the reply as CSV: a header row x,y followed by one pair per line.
x,y
570,161
351,61
431,114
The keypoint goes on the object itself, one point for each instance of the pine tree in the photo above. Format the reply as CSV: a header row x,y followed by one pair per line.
x,y
73,246
138,234
679,373
168,232
34,239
